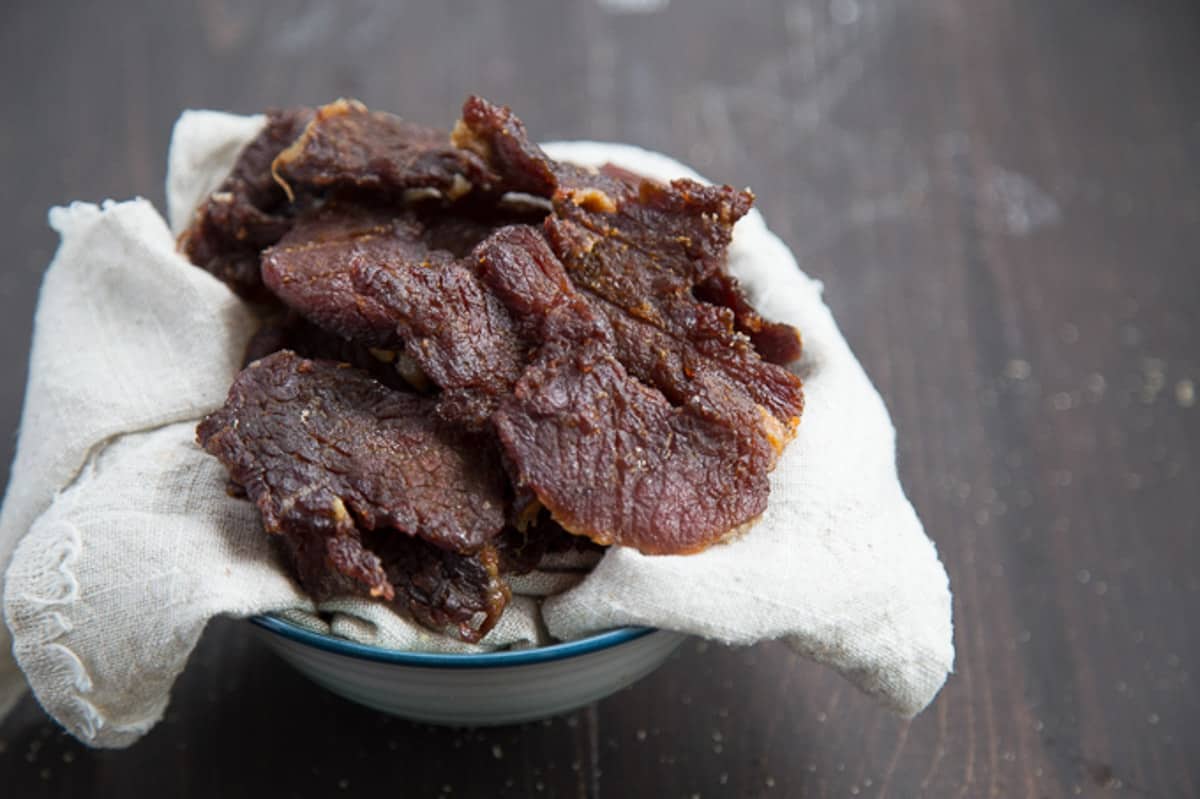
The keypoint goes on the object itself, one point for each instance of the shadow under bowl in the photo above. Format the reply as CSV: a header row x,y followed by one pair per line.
x,y
471,690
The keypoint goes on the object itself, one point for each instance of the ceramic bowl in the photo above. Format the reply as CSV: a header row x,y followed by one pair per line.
x,y
473,690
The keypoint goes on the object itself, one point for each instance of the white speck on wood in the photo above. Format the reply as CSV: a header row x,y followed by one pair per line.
x,y
1021,206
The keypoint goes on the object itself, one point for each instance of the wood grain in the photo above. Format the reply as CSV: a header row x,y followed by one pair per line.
x,y
1001,199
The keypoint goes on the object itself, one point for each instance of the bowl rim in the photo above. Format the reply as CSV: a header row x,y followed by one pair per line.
x,y
450,660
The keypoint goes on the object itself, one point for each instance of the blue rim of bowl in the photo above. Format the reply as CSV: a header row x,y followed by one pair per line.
x,y
480,660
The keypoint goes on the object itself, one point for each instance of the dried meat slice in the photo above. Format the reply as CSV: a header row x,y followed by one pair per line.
x,y
376,277
443,590
684,226
664,334
247,212
336,462
457,332
312,268
349,147
719,386
681,229
291,331
613,460
643,247
776,342
498,137
519,269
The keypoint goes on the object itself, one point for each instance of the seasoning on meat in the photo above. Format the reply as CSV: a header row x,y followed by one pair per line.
x,y
328,454
776,342
248,212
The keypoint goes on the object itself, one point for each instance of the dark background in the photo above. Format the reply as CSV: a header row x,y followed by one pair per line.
x,y
1003,200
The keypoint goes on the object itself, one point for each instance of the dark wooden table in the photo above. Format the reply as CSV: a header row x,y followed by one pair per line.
x,y
1003,199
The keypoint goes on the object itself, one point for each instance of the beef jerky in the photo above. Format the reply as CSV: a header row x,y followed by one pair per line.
x,y
312,268
247,212
686,376
608,456
499,138
776,342
375,276
291,331
520,270
680,229
667,335
443,590
603,346
642,246
349,147
380,454
611,459
454,329
329,455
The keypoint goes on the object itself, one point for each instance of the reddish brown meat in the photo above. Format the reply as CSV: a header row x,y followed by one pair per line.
x,y
608,456
613,460
453,328
445,591
349,147
312,268
642,252
775,341
328,454
576,332
247,212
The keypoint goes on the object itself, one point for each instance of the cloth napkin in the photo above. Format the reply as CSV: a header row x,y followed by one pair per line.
x,y
118,541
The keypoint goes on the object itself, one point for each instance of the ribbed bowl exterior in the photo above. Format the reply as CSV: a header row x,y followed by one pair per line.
x,y
484,695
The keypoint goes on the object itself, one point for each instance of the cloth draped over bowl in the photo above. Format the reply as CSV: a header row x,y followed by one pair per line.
x,y
118,540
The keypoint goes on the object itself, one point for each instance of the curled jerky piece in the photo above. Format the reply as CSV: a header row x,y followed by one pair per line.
x,y
775,342
349,147
329,454
248,212
497,136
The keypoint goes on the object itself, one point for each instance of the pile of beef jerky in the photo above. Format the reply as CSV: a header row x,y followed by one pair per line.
x,y
472,354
